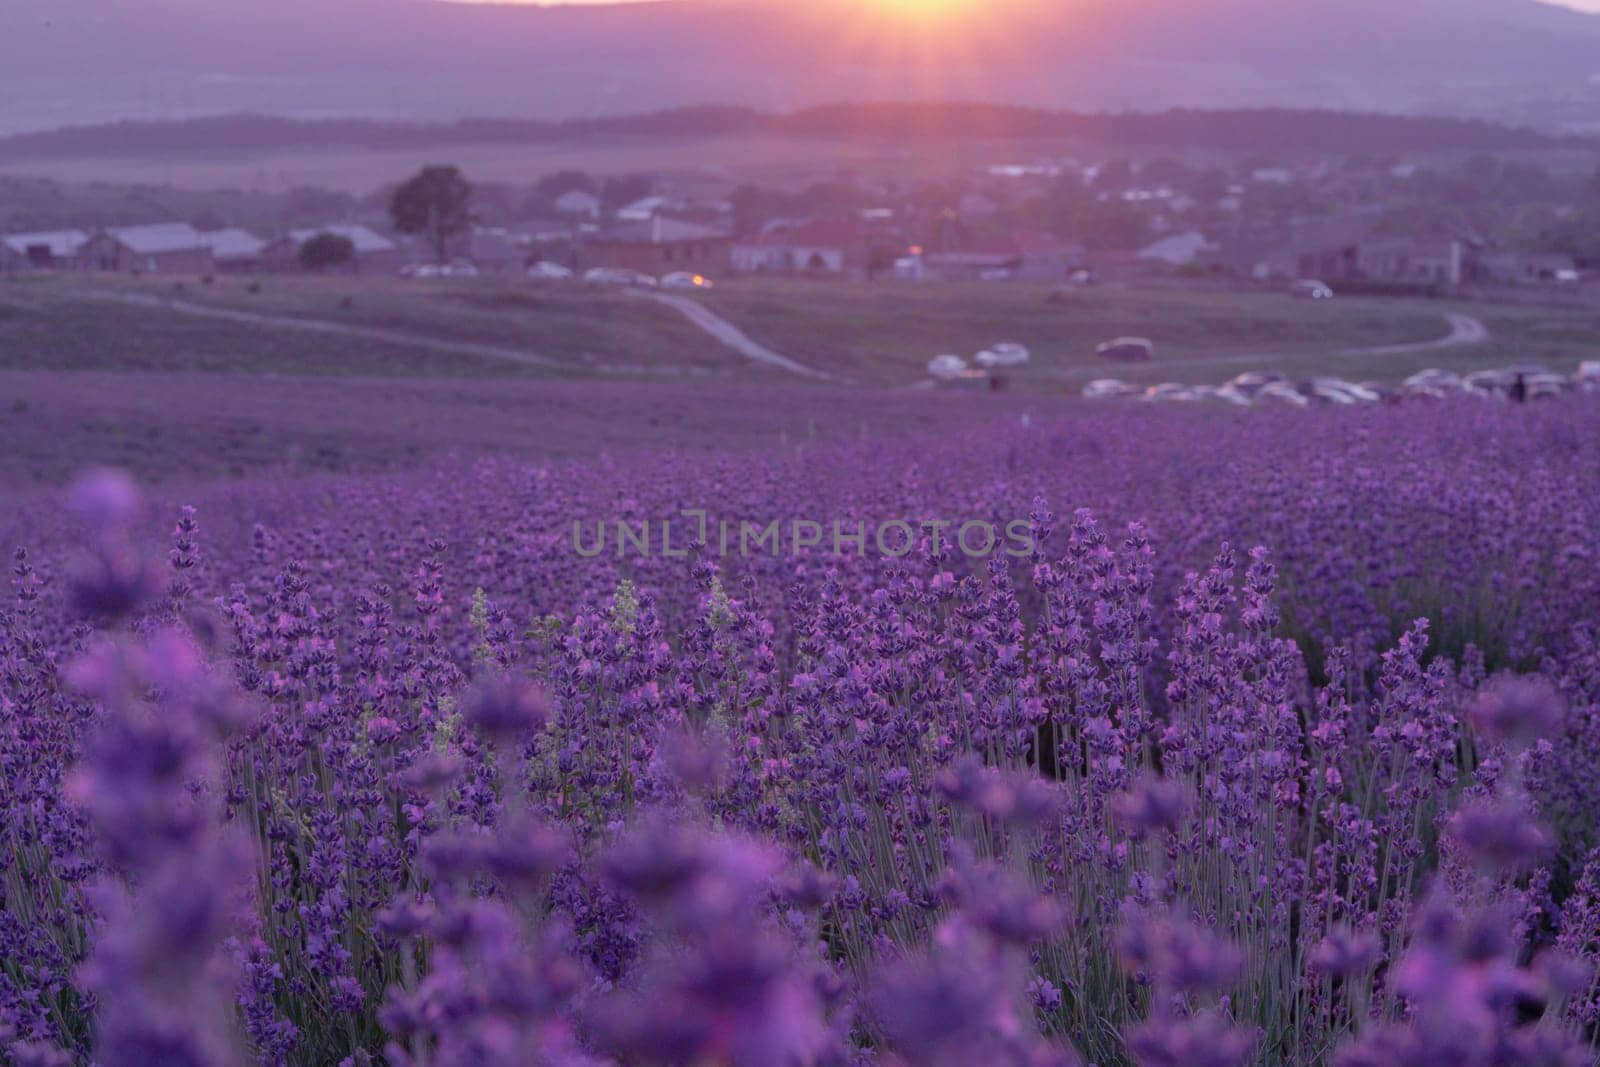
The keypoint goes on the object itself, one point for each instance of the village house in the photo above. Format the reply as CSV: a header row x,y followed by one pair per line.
x,y
1179,250
1329,248
578,204
1526,268
497,251
810,248
235,251
1014,257
374,253
659,246
644,209
48,250
164,248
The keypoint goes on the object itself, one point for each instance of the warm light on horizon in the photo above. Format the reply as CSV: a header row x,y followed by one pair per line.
x,y
907,6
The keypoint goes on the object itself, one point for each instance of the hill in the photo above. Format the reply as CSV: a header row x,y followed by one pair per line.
x,y
1244,130
427,60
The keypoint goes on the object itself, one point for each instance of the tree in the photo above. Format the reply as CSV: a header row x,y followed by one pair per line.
x,y
327,250
435,202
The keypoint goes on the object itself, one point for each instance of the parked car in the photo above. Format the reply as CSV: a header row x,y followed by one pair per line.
x,y
1433,382
1588,376
1004,354
1489,383
1171,392
422,270
1311,289
546,271
1128,350
1339,391
459,269
618,276
946,366
1109,389
1253,381
1282,393
683,279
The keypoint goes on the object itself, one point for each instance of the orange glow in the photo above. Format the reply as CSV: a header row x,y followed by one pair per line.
x,y
931,49
925,10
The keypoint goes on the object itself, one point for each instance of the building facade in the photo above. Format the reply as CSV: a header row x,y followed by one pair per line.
x,y
814,248
165,248
659,246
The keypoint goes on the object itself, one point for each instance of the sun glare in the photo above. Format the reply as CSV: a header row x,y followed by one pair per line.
x,y
926,9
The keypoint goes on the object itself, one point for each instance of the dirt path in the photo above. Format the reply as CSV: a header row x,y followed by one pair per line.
x,y
733,337
1464,331
370,333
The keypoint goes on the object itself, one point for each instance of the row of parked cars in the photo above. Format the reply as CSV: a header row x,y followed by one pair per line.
x,y
546,271
1523,381
618,277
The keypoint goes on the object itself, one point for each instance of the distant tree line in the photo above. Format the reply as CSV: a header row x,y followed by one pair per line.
x,y
1241,130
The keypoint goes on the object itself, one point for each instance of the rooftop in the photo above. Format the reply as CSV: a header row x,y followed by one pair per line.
x,y
233,244
658,231
161,237
61,243
810,235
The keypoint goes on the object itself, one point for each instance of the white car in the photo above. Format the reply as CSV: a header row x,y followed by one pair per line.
x,y
1588,376
1433,382
1171,392
619,276
422,270
1252,381
1004,354
1489,383
683,279
1127,350
1109,389
1284,394
946,367
1339,391
1311,289
459,269
546,271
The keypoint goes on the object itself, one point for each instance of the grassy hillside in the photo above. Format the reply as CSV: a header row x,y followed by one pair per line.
x,y
70,323
889,332
871,335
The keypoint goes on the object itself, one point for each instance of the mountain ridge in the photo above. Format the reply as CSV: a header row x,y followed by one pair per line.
x,y
1236,129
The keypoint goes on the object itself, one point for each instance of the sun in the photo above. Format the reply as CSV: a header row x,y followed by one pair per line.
x,y
925,49
926,11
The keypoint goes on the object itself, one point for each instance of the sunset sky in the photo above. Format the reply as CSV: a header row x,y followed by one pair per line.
x,y
1581,5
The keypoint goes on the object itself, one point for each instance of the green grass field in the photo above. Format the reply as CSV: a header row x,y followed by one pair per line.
x,y
885,333
880,334
77,323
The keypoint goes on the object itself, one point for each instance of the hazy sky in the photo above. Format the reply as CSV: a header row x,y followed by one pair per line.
x,y
1581,5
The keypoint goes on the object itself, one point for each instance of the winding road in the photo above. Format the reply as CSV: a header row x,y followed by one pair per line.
x,y
1464,332
710,323
730,335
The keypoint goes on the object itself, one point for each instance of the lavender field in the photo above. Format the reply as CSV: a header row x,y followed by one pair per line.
x,y
1269,737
